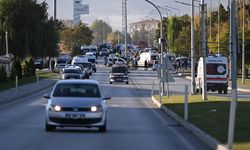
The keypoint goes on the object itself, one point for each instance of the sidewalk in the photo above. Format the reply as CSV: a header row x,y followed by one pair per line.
x,y
14,94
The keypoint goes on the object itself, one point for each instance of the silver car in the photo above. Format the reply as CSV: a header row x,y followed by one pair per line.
x,y
76,103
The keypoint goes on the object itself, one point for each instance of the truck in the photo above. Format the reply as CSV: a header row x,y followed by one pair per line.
x,y
216,74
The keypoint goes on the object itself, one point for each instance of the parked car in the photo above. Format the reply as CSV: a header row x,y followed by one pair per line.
x,y
118,73
76,103
39,63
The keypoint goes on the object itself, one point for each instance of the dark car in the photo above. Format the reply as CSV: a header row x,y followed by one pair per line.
x,y
119,73
39,64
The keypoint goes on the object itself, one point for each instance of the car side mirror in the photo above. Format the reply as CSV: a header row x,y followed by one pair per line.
x,y
47,96
106,97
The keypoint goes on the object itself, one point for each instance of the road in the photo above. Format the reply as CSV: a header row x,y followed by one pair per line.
x,y
134,123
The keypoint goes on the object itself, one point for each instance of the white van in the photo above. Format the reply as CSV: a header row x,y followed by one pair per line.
x,y
217,74
149,58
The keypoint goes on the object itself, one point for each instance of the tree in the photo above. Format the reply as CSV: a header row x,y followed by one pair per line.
x,y
28,28
100,31
73,38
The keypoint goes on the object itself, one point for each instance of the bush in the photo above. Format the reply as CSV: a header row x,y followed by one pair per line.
x,y
16,70
3,75
29,67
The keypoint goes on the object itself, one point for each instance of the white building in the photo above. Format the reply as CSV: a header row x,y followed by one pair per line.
x,y
147,25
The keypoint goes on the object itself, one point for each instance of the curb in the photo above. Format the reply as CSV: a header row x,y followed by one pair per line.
x,y
209,140
229,88
13,99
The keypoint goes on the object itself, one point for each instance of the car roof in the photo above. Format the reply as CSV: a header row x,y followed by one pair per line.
x,y
78,81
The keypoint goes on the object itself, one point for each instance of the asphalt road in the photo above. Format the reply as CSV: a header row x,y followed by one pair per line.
x,y
134,123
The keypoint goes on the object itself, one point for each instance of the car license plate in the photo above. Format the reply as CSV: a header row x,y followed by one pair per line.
x,y
74,116
118,79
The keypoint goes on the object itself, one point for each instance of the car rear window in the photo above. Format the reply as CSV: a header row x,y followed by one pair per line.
x,y
216,69
71,71
76,90
119,69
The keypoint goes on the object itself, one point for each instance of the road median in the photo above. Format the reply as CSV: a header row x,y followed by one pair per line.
x,y
209,120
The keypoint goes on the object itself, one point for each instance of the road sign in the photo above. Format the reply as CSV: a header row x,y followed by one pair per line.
x,y
167,65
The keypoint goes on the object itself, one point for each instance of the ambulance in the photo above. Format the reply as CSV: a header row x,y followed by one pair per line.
x,y
216,73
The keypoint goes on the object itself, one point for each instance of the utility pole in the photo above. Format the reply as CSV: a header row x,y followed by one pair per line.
x,y
193,91
124,23
243,44
54,9
218,27
234,95
210,26
161,42
203,49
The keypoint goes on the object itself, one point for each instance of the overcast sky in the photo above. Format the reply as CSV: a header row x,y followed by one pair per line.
x,y
111,10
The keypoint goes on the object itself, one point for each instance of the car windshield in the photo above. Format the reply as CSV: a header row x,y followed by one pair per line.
x,y
91,60
61,61
119,70
76,90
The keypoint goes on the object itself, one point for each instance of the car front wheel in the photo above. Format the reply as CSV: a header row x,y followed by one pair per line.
x,y
103,128
49,128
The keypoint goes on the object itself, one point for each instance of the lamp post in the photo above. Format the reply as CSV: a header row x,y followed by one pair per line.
x,y
243,44
161,36
203,49
193,91
54,9
218,27
234,94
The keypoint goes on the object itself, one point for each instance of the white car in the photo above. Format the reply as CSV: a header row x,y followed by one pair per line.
x,y
76,103
116,60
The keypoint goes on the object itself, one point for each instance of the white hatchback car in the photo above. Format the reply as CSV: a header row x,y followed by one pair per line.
x,y
76,103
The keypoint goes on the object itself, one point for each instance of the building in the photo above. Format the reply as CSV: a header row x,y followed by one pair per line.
x,y
146,25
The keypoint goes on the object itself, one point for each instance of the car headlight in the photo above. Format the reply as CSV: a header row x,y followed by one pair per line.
x,y
95,109
55,108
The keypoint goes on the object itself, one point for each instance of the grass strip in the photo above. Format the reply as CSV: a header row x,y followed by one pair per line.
x,y
212,116
43,74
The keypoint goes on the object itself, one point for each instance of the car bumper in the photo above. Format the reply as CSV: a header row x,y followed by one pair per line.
x,y
76,119
119,79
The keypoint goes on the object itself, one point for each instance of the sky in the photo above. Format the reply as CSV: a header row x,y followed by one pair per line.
x,y
110,11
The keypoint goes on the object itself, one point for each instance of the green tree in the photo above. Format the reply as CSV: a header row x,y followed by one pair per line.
x,y
28,28
73,38
100,31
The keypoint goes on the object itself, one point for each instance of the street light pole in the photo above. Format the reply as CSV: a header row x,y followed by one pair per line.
x,y
243,44
161,36
234,95
54,9
203,49
193,91
126,28
218,27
